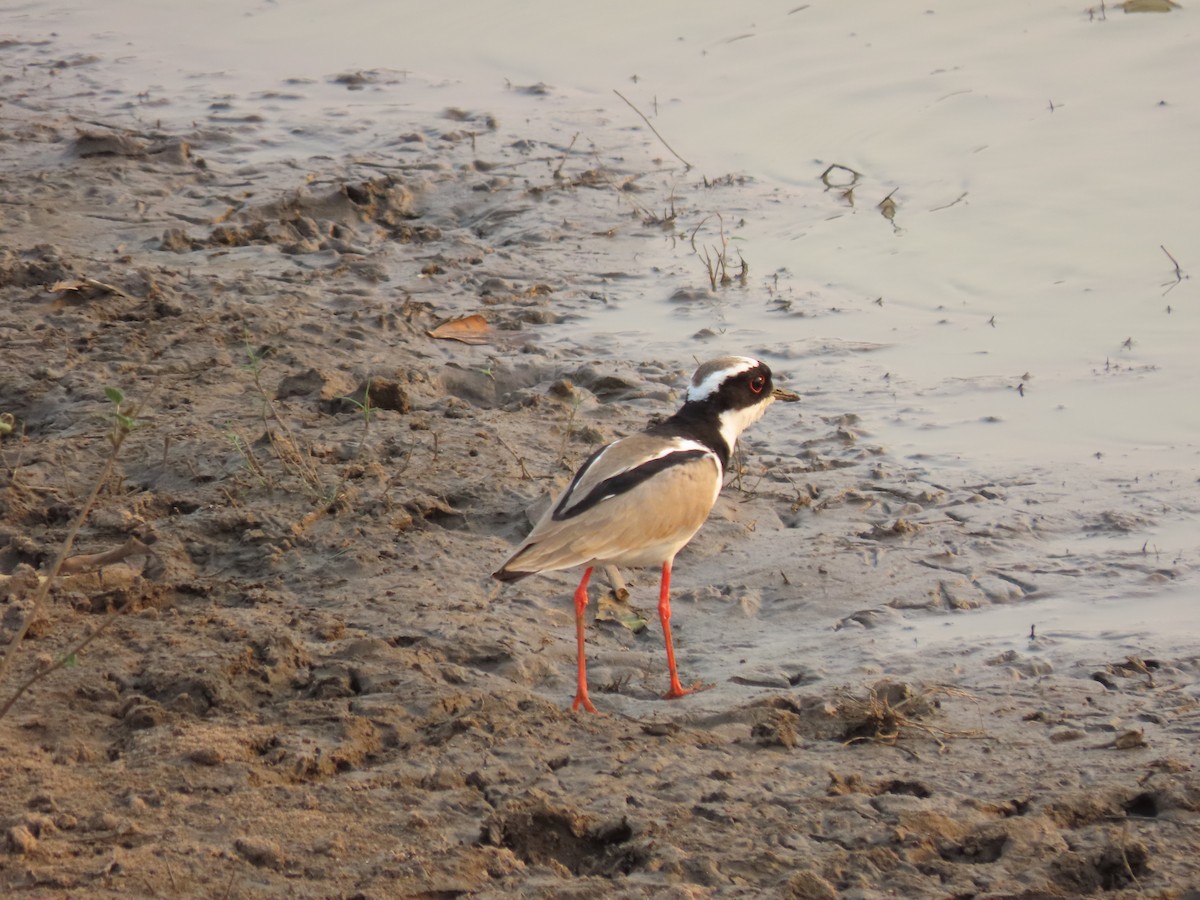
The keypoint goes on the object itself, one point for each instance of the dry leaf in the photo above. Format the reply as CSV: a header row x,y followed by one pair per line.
x,y
1130,740
1132,6
887,207
86,284
611,609
471,329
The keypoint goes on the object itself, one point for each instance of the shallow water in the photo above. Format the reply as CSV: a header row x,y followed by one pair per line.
x,y
1018,313
1033,196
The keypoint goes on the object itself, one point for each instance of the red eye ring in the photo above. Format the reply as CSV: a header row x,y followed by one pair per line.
x,y
757,383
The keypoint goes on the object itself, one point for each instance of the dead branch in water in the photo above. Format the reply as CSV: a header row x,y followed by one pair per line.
x,y
717,267
557,174
652,128
1179,276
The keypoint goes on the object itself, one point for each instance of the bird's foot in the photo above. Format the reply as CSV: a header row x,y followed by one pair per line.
x,y
678,690
582,699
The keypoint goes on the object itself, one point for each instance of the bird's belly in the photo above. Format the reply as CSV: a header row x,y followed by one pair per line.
x,y
654,555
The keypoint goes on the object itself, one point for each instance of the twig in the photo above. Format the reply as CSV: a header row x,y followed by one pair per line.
x,y
562,162
1128,867
950,204
1178,272
696,230
652,128
712,269
132,547
62,661
829,171
887,740
718,268
525,476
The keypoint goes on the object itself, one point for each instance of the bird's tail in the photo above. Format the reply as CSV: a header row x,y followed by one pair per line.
x,y
506,574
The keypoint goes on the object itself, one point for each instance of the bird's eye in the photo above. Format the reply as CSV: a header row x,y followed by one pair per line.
x,y
757,383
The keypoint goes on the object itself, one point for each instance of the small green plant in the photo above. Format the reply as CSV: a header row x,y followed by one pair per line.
x,y
124,417
254,365
364,406
124,421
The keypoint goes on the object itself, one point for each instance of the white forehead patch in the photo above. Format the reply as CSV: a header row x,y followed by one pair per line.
x,y
712,374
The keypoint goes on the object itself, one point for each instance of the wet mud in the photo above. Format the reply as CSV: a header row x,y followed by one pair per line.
x,y
306,682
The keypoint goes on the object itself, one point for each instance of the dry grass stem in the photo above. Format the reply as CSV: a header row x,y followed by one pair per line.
x,y
889,709
652,128
1179,276
124,422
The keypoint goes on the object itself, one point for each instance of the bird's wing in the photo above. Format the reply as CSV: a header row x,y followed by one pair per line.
x,y
634,502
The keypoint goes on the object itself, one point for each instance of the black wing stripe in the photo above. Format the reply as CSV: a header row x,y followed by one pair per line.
x,y
625,481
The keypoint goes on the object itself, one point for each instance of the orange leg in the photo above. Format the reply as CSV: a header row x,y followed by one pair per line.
x,y
581,602
664,614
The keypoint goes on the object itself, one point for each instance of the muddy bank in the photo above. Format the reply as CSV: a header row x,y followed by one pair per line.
x,y
309,685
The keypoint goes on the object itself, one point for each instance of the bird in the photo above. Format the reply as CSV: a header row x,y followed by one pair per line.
x,y
638,500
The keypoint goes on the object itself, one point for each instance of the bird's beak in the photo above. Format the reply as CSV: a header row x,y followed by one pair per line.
x,y
786,396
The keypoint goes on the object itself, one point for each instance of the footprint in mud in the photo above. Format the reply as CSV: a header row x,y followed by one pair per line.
x,y
561,838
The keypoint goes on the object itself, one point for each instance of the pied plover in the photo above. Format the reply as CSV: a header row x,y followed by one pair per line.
x,y
640,499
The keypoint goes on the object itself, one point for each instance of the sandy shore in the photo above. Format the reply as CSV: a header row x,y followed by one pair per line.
x,y
309,685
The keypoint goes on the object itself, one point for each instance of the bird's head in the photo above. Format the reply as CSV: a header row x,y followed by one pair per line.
x,y
737,390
